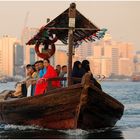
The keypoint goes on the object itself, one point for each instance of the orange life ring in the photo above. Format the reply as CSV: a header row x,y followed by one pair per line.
x,y
48,52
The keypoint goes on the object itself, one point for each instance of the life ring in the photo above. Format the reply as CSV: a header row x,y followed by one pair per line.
x,y
48,52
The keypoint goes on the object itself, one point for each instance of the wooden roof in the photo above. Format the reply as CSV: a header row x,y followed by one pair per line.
x,y
59,28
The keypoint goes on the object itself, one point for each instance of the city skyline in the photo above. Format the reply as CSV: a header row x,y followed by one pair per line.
x,y
121,18
106,57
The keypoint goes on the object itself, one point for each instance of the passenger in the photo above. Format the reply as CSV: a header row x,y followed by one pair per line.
x,y
24,83
64,71
42,84
18,91
32,81
77,71
34,73
21,87
58,69
36,65
28,71
28,84
85,65
31,73
63,74
42,69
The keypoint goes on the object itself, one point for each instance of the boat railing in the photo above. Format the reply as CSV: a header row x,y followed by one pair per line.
x,y
50,80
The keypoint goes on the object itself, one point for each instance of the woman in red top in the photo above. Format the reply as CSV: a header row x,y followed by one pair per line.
x,y
42,84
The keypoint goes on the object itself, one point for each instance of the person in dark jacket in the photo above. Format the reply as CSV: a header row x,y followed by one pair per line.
x,y
77,71
86,66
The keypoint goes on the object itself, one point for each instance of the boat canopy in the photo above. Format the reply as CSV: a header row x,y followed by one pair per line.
x,y
84,30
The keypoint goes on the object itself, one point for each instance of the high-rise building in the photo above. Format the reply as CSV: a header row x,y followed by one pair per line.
x,y
137,62
29,54
61,54
7,53
18,59
61,57
126,56
125,67
109,57
115,61
83,51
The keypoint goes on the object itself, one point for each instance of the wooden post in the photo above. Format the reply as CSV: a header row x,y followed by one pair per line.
x,y
72,13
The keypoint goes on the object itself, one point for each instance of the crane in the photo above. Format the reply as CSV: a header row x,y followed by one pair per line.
x,y
23,40
24,27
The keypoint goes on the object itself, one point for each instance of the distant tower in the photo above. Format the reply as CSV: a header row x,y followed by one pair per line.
x,y
18,59
7,55
83,51
115,63
29,52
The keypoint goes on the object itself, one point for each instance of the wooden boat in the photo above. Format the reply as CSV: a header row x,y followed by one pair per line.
x,y
77,106
136,78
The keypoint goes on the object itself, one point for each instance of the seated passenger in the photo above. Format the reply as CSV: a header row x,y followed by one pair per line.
x,y
85,65
62,75
36,66
42,69
42,84
58,69
77,71
32,81
18,91
21,87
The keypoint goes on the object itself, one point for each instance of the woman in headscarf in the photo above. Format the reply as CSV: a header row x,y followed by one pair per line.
x,y
42,84
77,71
85,65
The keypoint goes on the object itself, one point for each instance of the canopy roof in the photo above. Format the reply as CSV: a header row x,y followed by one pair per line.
x,y
84,29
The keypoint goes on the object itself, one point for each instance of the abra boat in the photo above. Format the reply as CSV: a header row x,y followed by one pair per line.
x,y
135,78
77,106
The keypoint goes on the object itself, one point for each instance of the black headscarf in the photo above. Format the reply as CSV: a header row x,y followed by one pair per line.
x,y
85,65
77,72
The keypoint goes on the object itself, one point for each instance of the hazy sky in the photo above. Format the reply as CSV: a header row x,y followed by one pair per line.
x,y
121,18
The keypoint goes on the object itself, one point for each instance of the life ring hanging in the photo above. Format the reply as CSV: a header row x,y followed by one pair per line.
x,y
48,52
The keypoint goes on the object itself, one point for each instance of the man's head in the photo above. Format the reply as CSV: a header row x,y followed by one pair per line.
x,y
36,65
64,69
58,67
40,64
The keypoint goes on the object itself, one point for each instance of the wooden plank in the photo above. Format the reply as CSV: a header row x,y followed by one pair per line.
x,y
72,14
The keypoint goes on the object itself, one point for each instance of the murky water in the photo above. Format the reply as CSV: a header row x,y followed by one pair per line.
x,y
127,128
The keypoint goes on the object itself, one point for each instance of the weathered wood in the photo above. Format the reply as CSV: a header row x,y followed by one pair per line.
x,y
50,87
72,12
77,106
38,107
59,26
56,28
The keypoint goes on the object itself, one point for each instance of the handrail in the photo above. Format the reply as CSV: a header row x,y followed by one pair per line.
x,y
63,78
49,80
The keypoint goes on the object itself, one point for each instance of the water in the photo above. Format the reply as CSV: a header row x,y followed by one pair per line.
x,y
127,128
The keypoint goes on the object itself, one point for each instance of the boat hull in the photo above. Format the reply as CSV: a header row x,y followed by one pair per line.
x,y
65,108
57,110
100,111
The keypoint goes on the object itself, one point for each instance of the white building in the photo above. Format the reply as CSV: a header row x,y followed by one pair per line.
x,y
29,53
7,53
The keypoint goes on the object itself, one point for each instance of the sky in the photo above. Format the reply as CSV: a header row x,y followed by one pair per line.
x,y
121,18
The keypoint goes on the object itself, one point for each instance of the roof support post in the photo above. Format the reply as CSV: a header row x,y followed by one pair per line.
x,y
72,13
